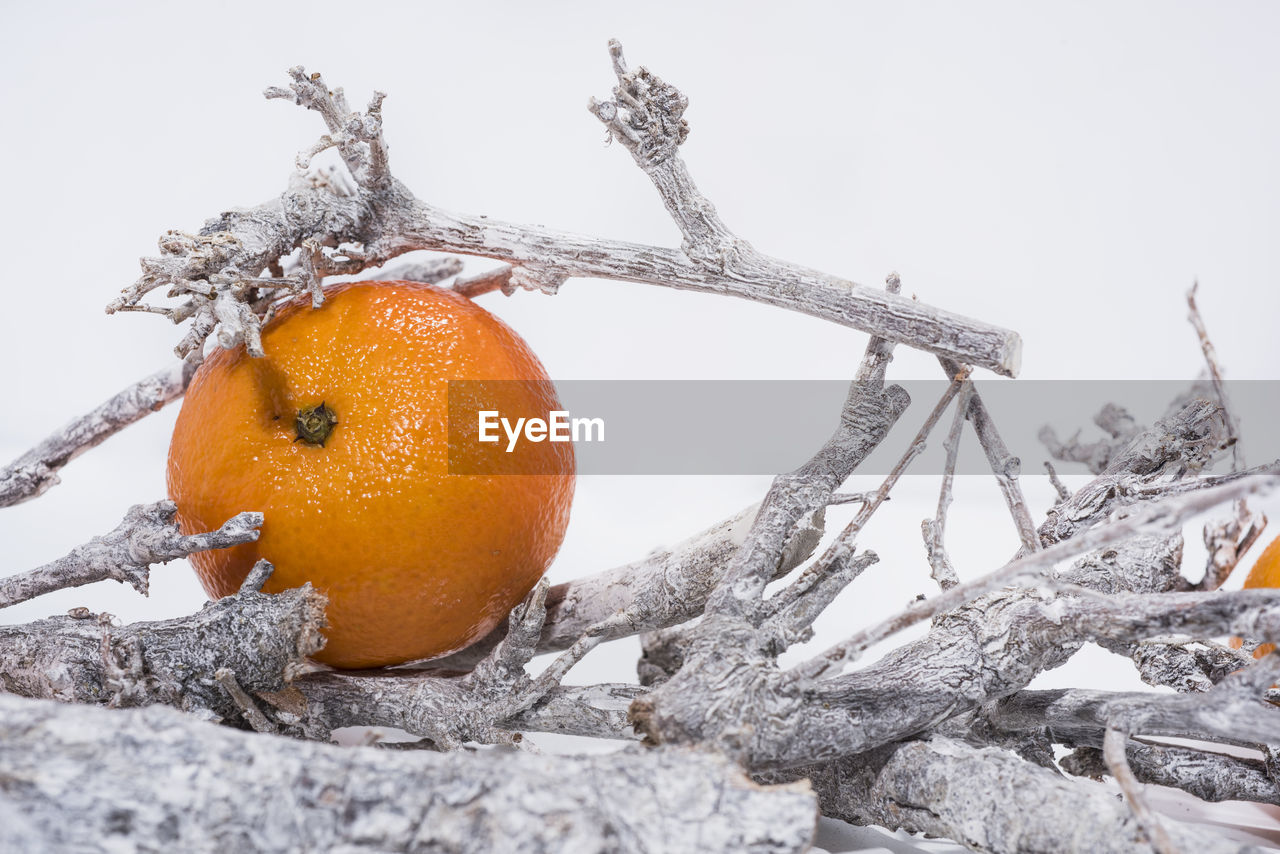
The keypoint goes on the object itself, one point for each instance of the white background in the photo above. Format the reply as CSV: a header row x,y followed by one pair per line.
x,y
1064,172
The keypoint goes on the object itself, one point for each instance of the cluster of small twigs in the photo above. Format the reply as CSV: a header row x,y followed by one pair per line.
x,y
940,736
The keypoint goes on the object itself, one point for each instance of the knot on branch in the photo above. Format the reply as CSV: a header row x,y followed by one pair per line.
x,y
533,278
124,675
646,114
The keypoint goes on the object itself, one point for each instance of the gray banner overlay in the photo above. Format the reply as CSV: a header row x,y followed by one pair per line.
x,y
771,426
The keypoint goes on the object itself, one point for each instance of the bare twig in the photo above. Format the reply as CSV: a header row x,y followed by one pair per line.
x,y
794,609
1183,441
1227,541
1163,516
933,530
869,411
148,534
357,136
486,705
37,470
429,271
241,698
1113,753
1114,420
734,645
842,547
1058,486
1004,465
497,279
1215,376
1082,715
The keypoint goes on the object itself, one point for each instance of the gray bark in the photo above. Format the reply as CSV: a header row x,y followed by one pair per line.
x,y
85,779
988,799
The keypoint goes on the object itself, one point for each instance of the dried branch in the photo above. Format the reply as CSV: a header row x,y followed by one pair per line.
x,y
1163,516
661,589
262,640
734,647
1184,664
212,661
220,269
85,779
993,648
841,549
429,271
451,712
357,136
1215,377
1209,776
1227,541
1058,486
447,711
870,409
248,708
1113,754
933,530
986,798
717,682
1186,440
37,470
497,279
1114,420
148,534
989,648
1081,716
1004,465
794,609
724,690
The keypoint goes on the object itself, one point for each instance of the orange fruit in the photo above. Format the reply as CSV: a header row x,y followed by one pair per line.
x,y
416,562
1265,573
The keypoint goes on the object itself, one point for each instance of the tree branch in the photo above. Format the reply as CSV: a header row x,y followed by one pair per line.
x,y
379,219
1166,515
1185,440
37,470
870,410
661,589
262,640
986,798
1209,776
1004,465
148,534
82,778
933,530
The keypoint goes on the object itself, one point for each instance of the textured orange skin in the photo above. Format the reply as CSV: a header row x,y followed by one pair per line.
x,y
416,562
1265,573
